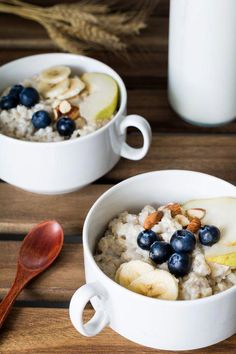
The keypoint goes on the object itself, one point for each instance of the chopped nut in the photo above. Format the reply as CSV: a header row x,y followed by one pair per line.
x,y
196,212
152,219
175,209
182,220
73,113
56,113
65,107
194,225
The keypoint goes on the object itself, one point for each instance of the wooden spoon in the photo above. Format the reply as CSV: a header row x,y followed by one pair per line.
x,y
39,249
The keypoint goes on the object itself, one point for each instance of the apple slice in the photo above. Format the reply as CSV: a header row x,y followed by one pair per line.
x,y
220,212
220,254
102,100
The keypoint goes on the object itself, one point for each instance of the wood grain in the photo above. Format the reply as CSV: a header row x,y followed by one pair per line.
x,y
58,283
35,36
20,210
38,330
179,151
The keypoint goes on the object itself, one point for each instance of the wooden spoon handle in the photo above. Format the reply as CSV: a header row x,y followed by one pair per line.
x,y
8,301
22,278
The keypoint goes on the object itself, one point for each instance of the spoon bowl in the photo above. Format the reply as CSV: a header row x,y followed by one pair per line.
x,y
39,249
41,246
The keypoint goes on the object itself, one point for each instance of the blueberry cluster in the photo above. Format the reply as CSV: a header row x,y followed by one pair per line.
x,y
177,253
65,126
28,97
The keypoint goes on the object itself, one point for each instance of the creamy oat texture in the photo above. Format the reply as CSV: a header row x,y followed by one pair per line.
x,y
119,245
16,122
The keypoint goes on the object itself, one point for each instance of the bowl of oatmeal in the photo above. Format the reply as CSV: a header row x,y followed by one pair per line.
x,y
160,261
63,122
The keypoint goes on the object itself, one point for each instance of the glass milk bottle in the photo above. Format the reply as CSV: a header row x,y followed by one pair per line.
x,y
202,60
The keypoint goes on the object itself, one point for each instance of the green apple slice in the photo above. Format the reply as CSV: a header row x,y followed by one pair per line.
x,y
102,100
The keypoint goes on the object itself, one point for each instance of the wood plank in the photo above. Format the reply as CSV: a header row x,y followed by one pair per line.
x,y
150,66
162,8
31,35
189,152
38,330
20,210
58,283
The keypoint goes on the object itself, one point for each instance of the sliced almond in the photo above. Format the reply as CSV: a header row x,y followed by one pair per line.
x,y
194,225
152,219
182,220
74,113
175,209
196,213
65,107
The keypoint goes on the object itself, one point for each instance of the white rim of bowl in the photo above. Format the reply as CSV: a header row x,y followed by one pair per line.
x,y
131,293
122,102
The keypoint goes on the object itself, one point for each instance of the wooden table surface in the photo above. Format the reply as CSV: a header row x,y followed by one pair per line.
x,y
39,323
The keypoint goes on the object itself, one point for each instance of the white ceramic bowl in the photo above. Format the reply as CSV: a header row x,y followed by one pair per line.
x,y
162,324
60,167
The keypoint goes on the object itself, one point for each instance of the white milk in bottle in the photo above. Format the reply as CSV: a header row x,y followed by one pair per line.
x,y
202,60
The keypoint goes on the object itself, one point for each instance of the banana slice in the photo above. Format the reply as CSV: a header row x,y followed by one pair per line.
x,y
55,74
42,87
75,87
130,271
158,283
56,90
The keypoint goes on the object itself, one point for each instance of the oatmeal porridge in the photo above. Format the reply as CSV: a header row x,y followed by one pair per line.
x,y
165,252
55,105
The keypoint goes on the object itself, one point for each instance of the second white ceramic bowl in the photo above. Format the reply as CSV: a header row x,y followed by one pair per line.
x,y
162,324
61,167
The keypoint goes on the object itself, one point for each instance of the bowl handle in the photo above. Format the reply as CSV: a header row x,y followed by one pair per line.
x,y
142,124
77,304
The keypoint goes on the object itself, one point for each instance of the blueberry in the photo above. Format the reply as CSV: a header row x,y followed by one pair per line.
x,y
29,97
209,235
65,126
160,252
179,264
8,102
146,238
41,119
183,241
16,90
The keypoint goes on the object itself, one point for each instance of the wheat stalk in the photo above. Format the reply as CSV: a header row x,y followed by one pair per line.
x,y
80,26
